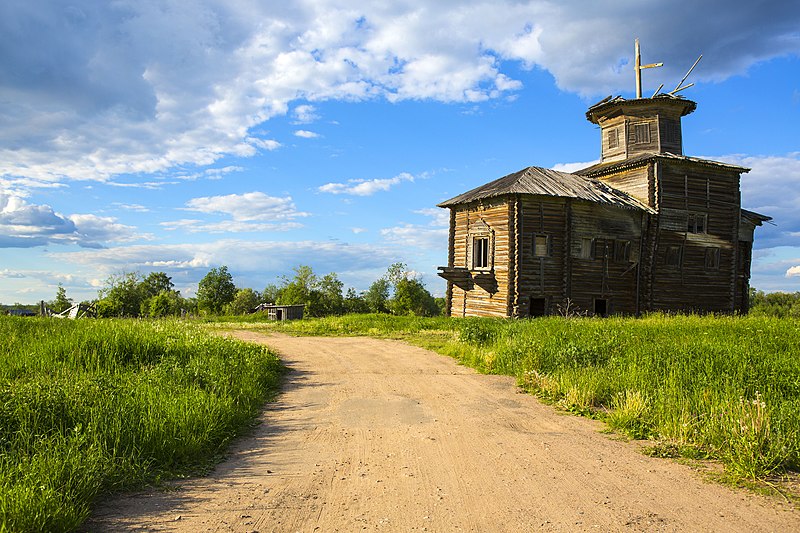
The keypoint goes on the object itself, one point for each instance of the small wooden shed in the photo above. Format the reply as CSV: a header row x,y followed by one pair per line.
x,y
282,312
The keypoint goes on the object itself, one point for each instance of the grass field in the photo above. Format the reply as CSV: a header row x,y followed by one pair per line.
x,y
716,387
93,406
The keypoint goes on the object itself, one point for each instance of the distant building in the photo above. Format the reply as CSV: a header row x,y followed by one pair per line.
x,y
20,312
281,312
646,229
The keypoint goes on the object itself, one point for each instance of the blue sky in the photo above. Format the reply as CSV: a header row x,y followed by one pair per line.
x,y
184,135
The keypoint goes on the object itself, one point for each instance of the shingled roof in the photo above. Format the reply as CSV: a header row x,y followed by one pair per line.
x,y
547,182
641,159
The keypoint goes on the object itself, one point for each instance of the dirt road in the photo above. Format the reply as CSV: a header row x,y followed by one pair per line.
x,y
377,435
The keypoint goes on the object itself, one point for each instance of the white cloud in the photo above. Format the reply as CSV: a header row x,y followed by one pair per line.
x,y
772,188
305,134
226,226
25,225
572,167
264,260
793,271
247,207
359,230
305,114
93,90
439,217
417,237
365,187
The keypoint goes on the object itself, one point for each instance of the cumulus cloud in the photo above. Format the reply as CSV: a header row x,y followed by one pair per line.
x,y
359,187
305,134
772,188
305,114
25,225
417,237
93,90
247,207
793,271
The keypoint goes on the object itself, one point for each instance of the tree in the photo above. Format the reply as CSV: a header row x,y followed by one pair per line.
x,y
122,296
156,283
165,303
270,294
331,301
61,303
354,302
244,302
215,290
412,298
377,296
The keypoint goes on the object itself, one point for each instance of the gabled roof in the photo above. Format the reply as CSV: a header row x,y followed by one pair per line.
x,y
641,159
547,182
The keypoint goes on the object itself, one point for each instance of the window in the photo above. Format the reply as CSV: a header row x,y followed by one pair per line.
x,y
541,245
613,138
697,223
622,251
641,133
538,307
673,256
600,307
480,252
712,258
587,248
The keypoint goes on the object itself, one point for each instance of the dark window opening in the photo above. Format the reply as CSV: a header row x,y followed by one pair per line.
x,y
541,245
622,251
480,252
712,258
673,256
600,307
698,222
538,307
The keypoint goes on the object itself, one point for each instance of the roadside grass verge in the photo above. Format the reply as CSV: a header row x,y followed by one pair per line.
x,y
726,388
94,406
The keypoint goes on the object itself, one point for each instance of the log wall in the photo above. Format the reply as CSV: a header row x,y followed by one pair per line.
x,y
489,296
685,190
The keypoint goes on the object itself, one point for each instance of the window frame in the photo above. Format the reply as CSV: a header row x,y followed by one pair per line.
x,y
625,246
481,245
548,245
641,133
612,133
712,259
674,251
587,249
692,225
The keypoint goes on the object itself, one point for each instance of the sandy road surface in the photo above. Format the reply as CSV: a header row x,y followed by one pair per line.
x,y
377,435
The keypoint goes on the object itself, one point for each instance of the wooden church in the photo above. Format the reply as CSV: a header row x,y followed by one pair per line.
x,y
646,229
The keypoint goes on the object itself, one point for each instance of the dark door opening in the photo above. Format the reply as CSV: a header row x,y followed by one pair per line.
x,y
279,314
538,307
600,307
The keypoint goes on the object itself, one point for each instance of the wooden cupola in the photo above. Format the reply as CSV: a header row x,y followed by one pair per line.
x,y
642,125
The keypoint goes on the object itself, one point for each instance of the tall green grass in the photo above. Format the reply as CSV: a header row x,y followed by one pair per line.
x,y
722,387
93,406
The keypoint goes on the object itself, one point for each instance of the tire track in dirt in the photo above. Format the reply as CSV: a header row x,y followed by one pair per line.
x,y
376,435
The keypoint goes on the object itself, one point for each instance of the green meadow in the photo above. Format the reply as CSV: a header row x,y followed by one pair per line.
x,y
90,407
725,388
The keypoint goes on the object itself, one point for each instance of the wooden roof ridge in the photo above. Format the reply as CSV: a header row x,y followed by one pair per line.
x,y
641,159
539,181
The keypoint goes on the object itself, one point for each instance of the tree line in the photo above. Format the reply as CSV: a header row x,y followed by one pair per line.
x,y
132,294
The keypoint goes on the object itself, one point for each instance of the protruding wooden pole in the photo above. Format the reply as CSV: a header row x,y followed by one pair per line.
x,y
638,69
